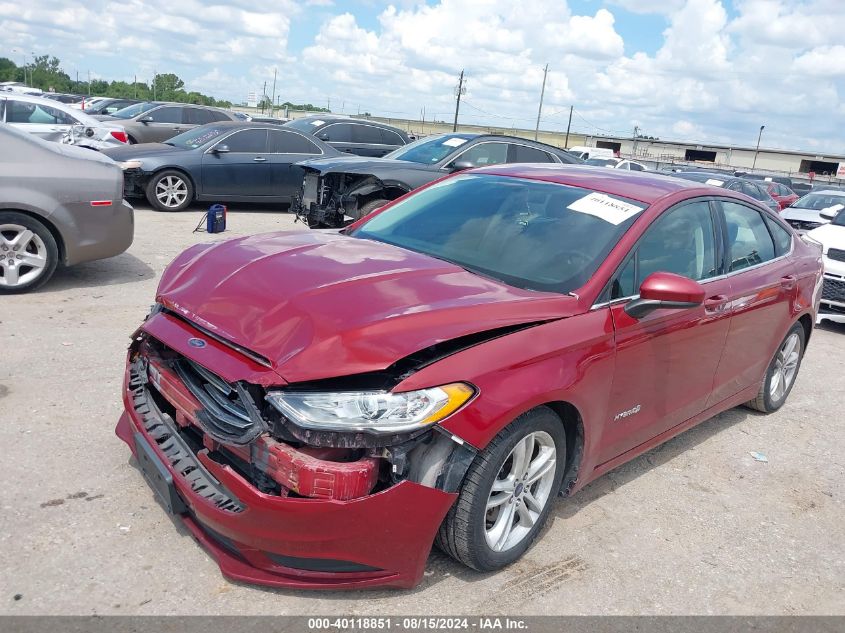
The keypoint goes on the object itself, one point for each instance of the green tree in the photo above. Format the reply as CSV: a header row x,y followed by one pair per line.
x,y
8,70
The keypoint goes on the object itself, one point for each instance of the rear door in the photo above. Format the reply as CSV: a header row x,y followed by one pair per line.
x,y
285,149
244,172
666,361
367,141
524,154
763,285
339,136
165,123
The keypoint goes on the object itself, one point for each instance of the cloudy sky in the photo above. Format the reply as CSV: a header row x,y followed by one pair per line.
x,y
707,70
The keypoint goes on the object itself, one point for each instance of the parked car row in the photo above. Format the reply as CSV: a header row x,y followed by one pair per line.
x,y
55,121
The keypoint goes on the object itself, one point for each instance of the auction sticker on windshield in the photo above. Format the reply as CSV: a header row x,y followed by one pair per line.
x,y
713,181
605,208
455,142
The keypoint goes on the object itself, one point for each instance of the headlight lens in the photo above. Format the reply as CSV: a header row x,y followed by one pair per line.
x,y
373,411
130,164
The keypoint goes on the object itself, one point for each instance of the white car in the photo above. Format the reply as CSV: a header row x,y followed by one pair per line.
x,y
814,209
56,121
832,238
616,163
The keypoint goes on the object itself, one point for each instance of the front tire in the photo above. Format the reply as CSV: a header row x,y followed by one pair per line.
x,y
781,373
507,493
28,253
371,206
170,190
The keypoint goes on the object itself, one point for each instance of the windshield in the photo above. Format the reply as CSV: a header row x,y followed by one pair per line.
x,y
529,234
197,137
134,110
819,201
431,149
601,162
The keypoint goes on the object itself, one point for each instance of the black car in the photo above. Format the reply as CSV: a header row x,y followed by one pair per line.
x,y
337,191
750,188
109,106
354,136
233,161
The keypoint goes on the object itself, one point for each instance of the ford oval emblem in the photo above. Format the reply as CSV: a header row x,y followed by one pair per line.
x,y
196,342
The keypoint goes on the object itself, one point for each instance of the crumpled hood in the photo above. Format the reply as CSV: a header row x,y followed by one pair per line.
x,y
140,150
804,215
320,304
830,236
359,165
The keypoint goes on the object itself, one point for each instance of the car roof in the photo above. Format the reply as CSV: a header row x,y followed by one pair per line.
x,y
642,186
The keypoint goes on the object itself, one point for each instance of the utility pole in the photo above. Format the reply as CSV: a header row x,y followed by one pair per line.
x,y
568,125
273,98
263,96
89,83
636,135
135,85
756,151
77,81
155,76
540,109
461,89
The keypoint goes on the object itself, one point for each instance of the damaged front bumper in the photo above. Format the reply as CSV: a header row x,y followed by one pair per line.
x,y
278,512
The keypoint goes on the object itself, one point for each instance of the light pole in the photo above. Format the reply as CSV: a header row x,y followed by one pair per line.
x,y
756,151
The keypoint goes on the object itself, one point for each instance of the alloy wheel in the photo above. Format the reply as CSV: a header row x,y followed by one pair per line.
x,y
520,491
171,191
786,367
23,256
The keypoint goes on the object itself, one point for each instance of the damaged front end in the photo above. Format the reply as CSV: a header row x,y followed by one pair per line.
x,y
336,199
277,497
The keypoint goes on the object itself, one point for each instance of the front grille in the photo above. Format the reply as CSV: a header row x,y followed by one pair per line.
x,y
180,455
229,414
833,290
837,254
804,225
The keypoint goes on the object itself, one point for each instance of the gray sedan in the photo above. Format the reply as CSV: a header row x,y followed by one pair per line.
x,y
154,122
61,205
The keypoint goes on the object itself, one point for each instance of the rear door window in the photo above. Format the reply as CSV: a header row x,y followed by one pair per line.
x,y
366,134
197,116
749,241
781,236
291,143
389,137
525,154
25,112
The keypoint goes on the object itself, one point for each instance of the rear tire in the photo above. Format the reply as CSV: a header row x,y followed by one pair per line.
x,y
29,254
169,190
781,373
479,516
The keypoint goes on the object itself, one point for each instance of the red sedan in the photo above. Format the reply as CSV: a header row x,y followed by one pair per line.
x,y
783,194
320,407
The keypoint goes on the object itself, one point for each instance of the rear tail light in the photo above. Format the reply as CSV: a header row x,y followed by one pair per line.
x,y
120,136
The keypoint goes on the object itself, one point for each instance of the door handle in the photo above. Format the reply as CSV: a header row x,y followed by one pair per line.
x,y
788,282
259,159
716,303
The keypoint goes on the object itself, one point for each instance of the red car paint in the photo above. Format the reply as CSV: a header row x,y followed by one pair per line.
x,y
317,305
782,200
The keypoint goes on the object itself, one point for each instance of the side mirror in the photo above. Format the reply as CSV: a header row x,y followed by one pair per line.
x,y
145,119
221,149
665,290
461,165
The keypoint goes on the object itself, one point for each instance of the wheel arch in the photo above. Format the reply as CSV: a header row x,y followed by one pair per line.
x,y
60,243
573,426
806,321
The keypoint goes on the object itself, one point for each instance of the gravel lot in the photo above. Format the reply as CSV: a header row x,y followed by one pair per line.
x,y
696,526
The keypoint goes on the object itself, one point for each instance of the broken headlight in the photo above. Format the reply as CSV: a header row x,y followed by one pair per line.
x,y
374,411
